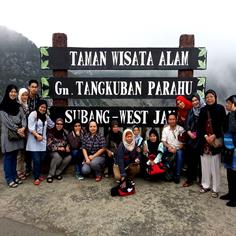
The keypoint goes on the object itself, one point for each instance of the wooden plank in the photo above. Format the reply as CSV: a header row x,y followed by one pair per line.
x,y
69,58
121,87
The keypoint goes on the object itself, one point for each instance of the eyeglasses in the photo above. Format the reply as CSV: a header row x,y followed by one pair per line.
x,y
59,124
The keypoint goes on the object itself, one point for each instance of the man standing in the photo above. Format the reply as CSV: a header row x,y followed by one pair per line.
x,y
32,104
33,94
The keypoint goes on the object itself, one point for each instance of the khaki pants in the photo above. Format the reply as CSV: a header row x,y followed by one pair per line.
x,y
131,170
20,162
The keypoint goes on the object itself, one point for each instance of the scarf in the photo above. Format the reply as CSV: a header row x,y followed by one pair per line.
x,y
23,104
183,113
196,110
42,116
129,146
58,134
10,106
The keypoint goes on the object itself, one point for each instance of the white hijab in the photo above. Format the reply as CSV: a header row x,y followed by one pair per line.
x,y
129,146
21,91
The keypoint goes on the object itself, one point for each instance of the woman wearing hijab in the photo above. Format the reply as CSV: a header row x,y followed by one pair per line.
x,y
184,106
210,132
23,96
127,156
13,119
60,151
113,139
193,155
75,141
38,122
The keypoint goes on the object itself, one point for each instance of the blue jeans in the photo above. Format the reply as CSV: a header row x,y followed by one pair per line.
x,y
179,157
37,158
77,159
95,165
9,165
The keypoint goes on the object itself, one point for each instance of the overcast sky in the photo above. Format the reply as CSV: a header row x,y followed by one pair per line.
x,y
127,23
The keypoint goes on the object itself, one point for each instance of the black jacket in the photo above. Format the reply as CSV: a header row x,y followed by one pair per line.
x,y
218,115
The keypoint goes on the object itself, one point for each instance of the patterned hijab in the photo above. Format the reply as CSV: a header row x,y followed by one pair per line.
x,y
196,110
129,146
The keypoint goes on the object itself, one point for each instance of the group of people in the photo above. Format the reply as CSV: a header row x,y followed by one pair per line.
x,y
192,137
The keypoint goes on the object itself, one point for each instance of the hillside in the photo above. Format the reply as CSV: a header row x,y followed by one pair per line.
x,y
19,60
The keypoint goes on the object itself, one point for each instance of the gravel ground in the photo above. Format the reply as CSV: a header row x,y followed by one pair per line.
x,y
72,207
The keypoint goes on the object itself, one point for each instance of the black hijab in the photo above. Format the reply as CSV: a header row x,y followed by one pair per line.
x,y
153,146
115,137
41,116
58,134
10,106
213,107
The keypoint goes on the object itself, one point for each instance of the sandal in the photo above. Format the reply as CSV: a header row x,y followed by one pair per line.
x,y
58,177
37,182
214,194
22,176
18,181
204,190
187,184
41,178
49,179
98,178
12,184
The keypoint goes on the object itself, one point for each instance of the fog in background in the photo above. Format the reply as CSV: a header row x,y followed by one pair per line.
x,y
108,23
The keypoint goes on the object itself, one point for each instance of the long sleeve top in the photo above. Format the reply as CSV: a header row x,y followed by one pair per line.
x,y
35,124
125,157
54,143
13,123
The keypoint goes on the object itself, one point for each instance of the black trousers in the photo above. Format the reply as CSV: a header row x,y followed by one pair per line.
x,y
231,177
193,164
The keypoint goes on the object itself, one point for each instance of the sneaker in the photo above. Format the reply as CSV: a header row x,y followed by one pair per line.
x,y
225,197
18,181
12,184
37,182
214,194
79,177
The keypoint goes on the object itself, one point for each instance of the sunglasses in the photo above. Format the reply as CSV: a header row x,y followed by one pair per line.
x,y
59,123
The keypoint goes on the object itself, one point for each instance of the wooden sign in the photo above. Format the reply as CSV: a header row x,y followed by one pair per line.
x,y
69,58
121,88
126,116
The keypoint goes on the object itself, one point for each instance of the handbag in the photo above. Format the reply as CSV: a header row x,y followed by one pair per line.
x,y
155,169
118,190
218,142
116,171
13,135
228,149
